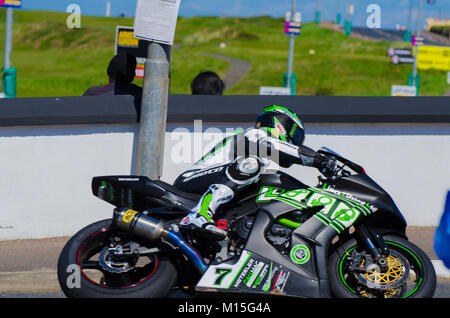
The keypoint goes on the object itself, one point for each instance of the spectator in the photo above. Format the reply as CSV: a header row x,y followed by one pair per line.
x,y
207,83
121,72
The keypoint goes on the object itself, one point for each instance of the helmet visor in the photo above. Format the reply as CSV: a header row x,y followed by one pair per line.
x,y
264,120
297,135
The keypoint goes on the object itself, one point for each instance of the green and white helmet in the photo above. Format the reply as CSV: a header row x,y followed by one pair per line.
x,y
281,123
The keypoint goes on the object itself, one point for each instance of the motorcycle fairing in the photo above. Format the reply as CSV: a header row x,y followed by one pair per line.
x,y
253,273
336,211
309,243
366,191
141,193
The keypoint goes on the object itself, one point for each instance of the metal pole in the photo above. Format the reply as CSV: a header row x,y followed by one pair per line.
x,y
417,48
291,47
8,36
418,18
153,113
322,10
338,12
108,8
347,6
410,16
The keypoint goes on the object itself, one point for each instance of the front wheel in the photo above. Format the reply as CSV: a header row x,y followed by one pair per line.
x,y
408,273
103,261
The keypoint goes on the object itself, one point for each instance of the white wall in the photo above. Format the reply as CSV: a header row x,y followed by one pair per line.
x,y
46,172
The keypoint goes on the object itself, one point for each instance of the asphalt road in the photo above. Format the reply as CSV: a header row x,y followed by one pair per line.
x,y
442,291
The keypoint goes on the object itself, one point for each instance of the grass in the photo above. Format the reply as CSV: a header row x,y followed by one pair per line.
x,y
53,60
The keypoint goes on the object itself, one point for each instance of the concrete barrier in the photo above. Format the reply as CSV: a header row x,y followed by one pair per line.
x,y
46,169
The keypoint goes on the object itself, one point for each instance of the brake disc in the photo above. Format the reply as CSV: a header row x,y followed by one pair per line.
x,y
112,263
394,276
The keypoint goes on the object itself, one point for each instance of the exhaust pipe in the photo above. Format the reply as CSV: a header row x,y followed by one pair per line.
x,y
138,224
152,229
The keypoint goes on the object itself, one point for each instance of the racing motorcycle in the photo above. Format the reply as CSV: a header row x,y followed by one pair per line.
x,y
343,238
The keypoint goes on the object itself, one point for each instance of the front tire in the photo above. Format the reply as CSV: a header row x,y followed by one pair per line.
x,y
82,275
410,273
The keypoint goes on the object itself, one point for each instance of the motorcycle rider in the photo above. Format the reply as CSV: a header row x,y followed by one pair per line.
x,y
239,161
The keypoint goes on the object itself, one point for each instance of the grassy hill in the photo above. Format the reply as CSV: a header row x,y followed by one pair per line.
x,y
53,60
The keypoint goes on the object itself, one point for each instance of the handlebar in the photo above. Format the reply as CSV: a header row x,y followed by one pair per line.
x,y
345,162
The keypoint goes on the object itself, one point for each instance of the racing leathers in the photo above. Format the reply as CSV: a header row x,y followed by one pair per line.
x,y
236,163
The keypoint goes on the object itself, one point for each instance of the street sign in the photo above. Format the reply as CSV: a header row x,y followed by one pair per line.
x,y
265,90
434,57
156,20
399,90
401,56
399,59
293,25
11,3
399,52
125,41
292,28
417,40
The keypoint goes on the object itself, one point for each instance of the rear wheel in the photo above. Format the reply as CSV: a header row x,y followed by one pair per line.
x,y
103,261
408,273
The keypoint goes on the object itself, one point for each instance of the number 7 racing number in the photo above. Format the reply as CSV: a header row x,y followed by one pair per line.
x,y
222,272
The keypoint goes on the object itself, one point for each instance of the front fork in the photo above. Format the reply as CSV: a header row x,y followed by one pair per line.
x,y
375,245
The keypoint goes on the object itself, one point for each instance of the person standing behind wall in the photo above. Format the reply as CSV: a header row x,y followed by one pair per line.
x,y
121,73
207,83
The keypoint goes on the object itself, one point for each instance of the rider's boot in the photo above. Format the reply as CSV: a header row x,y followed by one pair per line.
x,y
202,215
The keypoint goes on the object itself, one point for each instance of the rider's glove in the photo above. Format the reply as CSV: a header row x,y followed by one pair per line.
x,y
325,164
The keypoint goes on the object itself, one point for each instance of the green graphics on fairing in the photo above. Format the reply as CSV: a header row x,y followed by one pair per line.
x,y
250,273
337,211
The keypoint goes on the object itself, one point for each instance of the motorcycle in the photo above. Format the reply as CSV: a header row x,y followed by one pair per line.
x,y
344,238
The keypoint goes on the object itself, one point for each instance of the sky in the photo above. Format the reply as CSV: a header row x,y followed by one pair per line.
x,y
393,12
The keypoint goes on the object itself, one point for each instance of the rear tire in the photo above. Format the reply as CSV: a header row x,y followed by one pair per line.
x,y
420,282
158,276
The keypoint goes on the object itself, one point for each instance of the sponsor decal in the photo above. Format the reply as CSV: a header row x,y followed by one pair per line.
x,y
244,273
351,197
339,211
281,280
261,276
128,179
203,173
128,216
267,284
280,129
250,273
253,274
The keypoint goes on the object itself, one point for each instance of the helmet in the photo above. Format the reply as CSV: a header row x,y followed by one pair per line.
x,y
281,123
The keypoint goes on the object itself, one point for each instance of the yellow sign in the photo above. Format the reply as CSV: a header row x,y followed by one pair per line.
x,y
126,38
13,2
128,216
434,57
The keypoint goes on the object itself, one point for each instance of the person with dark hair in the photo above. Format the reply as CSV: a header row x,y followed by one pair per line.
x,y
121,72
207,83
